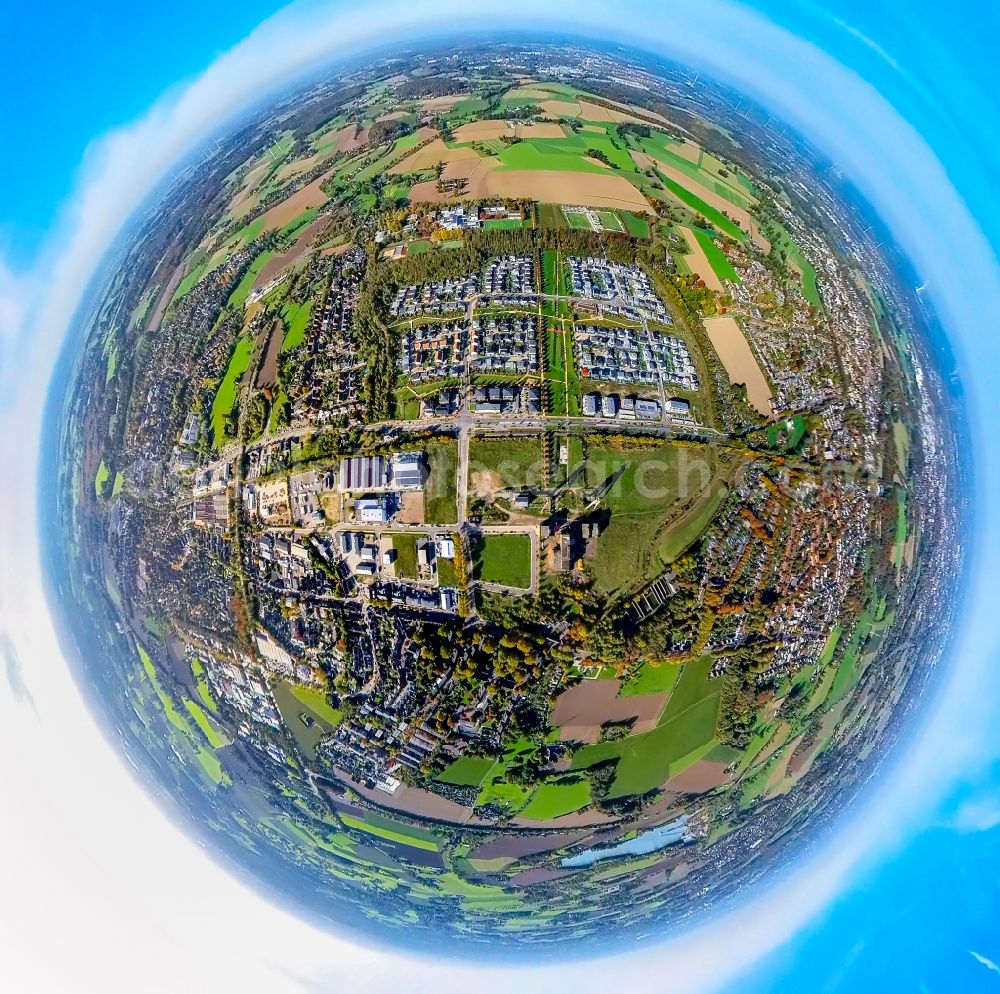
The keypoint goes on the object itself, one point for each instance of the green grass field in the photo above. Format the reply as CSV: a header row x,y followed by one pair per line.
x,y
467,771
447,573
296,321
504,224
562,797
687,529
684,734
716,257
101,478
637,227
406,555
504,559
393,831
225,396
641,503
709,213
440,493
213,736
651,680
243,288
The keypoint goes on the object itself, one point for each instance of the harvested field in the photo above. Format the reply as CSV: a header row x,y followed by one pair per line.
x,y
267,374
738,214
741,364
443,103
290,169
517,846
302,245
351,138
431,155
481,131
704,774
281,214
689,151
554,186
699,263
473,171
491,130
580,711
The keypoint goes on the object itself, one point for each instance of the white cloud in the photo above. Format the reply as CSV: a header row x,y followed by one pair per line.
x,y
988,963
90,867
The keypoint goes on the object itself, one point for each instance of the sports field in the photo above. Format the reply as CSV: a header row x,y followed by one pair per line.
x,y
405,547
503,559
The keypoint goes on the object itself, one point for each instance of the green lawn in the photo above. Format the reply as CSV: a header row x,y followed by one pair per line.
x,y
225,396
716,257
447,574
314,698
651,680
239,295
296,320
467,771
406,555
641,503
684,734
689,528
101,479
440,493
552,800
293,702
504,559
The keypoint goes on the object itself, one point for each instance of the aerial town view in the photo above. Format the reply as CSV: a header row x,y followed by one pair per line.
x,y
496,482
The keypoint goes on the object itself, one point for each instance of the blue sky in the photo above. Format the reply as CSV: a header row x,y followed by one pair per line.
x,y
915,915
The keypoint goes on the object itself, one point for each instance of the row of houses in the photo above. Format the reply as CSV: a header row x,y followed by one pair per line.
x,y
604,280
631,355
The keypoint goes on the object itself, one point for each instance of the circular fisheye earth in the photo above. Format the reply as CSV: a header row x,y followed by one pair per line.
x,y
506,493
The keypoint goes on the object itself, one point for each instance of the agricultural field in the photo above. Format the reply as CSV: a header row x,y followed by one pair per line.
x,y
684,733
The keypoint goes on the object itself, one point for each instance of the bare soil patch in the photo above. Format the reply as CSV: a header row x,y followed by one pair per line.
x,y
741,364
703,775
309,196
351,138
444,102
580,711
308,237
517,846
485,484
411,511
556,187
433,154
699,263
